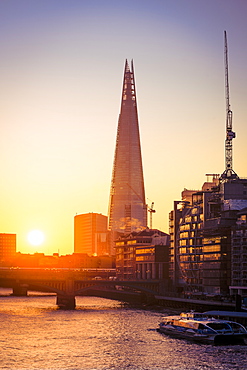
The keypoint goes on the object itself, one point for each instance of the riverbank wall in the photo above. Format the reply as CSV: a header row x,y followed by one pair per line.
x,y
194,304
164,301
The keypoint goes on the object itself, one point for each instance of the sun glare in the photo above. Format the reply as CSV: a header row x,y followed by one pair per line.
x,y
36,237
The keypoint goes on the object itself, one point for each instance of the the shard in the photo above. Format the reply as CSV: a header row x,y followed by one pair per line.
x,y
127,207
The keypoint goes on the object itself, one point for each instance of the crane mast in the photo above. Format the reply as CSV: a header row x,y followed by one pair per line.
x,y
151,210
228,173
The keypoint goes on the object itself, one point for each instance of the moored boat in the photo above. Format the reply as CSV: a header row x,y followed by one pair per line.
x,y
199,328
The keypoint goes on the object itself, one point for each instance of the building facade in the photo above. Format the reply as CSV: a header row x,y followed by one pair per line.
x,y
201,226
127,206
7,246
91,234
239,255
143,255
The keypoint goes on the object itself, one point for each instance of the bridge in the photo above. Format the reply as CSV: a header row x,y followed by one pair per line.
x,y
69,283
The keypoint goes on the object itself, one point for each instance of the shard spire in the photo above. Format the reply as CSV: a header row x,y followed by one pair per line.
x,y
127,207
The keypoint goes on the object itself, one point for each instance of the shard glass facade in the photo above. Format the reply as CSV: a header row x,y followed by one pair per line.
x,y
127,207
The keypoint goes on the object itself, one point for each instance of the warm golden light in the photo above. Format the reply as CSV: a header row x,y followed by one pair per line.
x,y
36,237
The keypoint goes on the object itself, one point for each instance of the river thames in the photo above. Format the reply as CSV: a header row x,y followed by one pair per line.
x,y
99,334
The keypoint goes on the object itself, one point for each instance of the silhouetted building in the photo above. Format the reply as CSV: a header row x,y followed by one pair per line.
x,y
7,246
91,234
143,255
127,207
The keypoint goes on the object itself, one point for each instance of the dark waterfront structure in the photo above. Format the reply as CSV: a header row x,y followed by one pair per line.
x,y
127,207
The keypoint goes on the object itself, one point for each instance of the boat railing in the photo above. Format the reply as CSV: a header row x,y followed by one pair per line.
x,y
193,315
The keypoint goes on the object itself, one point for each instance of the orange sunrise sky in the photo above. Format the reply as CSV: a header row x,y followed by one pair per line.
x,y
61,71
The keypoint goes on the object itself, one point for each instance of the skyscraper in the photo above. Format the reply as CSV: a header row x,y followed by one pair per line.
x,y
127,208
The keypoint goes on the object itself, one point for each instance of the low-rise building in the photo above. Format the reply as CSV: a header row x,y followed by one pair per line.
x,y
142,255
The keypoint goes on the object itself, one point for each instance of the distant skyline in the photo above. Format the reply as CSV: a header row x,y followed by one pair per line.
x,y
61,71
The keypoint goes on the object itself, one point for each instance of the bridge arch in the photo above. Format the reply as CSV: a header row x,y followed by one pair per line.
x,y
45,288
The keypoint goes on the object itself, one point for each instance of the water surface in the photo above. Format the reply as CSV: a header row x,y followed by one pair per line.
x,y
99,335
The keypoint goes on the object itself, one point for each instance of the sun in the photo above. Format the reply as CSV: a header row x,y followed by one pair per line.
x,y
36,237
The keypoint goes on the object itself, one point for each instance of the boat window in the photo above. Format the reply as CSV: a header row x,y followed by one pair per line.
x,y
204,329
237,327
219,326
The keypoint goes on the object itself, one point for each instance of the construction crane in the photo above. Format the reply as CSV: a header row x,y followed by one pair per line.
x,y
228,173
151,211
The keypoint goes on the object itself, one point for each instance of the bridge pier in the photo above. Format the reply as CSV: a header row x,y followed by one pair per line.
x,y
163,287
148,299
20,290
66,302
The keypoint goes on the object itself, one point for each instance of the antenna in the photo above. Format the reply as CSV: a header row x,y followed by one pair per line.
x,y
228,173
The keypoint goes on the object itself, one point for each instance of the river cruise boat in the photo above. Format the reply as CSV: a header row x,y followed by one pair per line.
x,y
200,328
